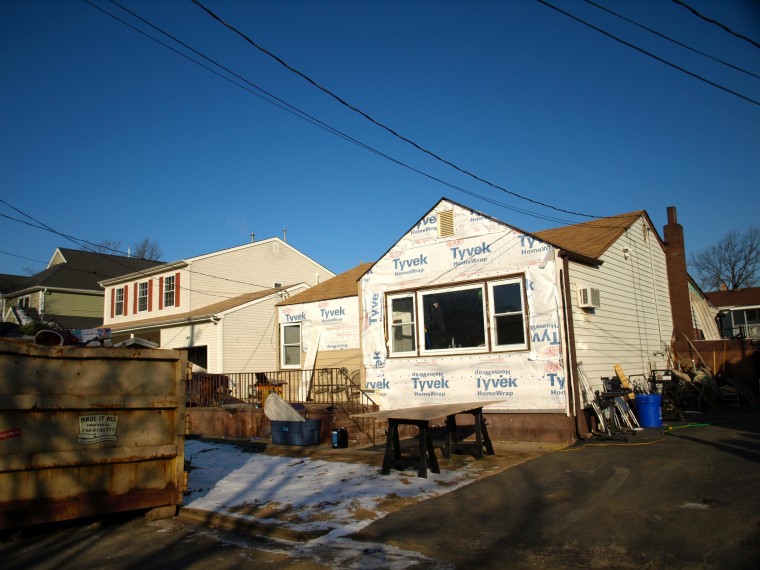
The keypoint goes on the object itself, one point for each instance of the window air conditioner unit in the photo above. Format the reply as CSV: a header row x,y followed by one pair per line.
x,y
588,298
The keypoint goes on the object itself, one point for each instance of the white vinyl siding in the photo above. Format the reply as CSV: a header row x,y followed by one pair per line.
x,y
634,320
250,338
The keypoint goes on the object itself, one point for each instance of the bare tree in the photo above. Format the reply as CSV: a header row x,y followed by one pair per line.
x,y
104,246
733,263
147,249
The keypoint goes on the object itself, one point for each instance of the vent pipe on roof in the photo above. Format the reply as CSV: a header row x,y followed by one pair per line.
x,y
253,237
285,235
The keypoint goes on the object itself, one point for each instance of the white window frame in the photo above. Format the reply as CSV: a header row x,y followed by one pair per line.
x,y
399,328
493,316
169,292
118,302
142,296
489,319
284,345
424,351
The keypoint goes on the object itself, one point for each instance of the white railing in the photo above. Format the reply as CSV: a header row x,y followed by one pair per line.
x,y
748,331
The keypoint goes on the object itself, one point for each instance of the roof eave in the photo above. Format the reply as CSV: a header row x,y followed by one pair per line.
x,y
143,273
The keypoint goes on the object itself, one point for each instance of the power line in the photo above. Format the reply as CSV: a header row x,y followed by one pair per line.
x,y
22,257
641,50
80,242
383,125
284,105
683,45
722,26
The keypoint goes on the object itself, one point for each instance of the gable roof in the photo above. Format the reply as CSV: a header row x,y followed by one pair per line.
x,y
202,313
83,270
591,239
750,296
343,285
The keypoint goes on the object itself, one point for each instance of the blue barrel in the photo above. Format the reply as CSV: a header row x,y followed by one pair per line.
x,y
648,408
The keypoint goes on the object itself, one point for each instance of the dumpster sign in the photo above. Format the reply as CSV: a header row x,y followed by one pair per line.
x,y
97,428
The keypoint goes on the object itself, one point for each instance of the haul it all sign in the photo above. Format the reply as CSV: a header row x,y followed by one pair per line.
x,y
97,428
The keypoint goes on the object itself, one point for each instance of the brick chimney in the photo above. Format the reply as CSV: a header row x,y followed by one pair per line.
x,y
678,278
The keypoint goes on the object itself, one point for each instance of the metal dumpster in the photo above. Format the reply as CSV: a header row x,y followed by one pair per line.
x,y
89,431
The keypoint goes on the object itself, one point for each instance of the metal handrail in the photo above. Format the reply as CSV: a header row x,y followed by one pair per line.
x,y
329,386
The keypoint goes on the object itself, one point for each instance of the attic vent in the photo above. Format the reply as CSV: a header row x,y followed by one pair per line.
x,y
446,223
588,298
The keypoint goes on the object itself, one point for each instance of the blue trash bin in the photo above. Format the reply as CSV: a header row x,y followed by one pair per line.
x,y
648,410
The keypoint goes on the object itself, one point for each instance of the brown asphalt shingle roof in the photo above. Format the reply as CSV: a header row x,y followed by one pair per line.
x,y
590,239
736,298
343,285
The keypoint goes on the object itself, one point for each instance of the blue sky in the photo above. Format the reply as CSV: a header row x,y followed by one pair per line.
x,y
108,135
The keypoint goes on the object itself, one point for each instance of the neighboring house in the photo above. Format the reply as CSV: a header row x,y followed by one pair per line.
x,y
220,307
466,308
67,292
739,314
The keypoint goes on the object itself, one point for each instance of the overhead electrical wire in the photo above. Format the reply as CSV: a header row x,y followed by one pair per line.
x,y
284,105
383,125
647,53
683,45
84,244
715,22
22,257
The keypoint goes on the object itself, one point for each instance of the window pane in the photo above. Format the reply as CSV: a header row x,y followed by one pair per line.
x,y
169,291
402,325
507,298
142,297
454,319
508,317
292,334
292,355
510,330
291,345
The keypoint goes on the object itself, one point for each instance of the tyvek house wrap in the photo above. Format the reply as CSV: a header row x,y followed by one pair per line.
x,y
481,249
336,320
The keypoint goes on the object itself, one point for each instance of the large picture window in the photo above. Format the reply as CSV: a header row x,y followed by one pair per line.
x,y
291,345
471,318
453,319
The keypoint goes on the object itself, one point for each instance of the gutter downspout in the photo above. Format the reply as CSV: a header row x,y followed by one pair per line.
x,y
581,428
217,321
42,303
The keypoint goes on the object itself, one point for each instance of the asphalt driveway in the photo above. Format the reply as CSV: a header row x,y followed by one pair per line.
x,y
688,499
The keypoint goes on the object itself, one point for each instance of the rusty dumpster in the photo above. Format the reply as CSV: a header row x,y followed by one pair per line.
x,y
89,431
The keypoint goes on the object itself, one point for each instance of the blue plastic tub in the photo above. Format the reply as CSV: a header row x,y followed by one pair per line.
x,y
648,410
296,433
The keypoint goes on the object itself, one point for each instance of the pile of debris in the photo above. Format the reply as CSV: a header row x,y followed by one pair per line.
x,y
50,334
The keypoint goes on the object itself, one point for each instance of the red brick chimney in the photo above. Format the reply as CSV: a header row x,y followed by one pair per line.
x,y
678,278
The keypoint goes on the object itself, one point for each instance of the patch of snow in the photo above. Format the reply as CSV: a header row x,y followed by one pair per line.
x,y
301,493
